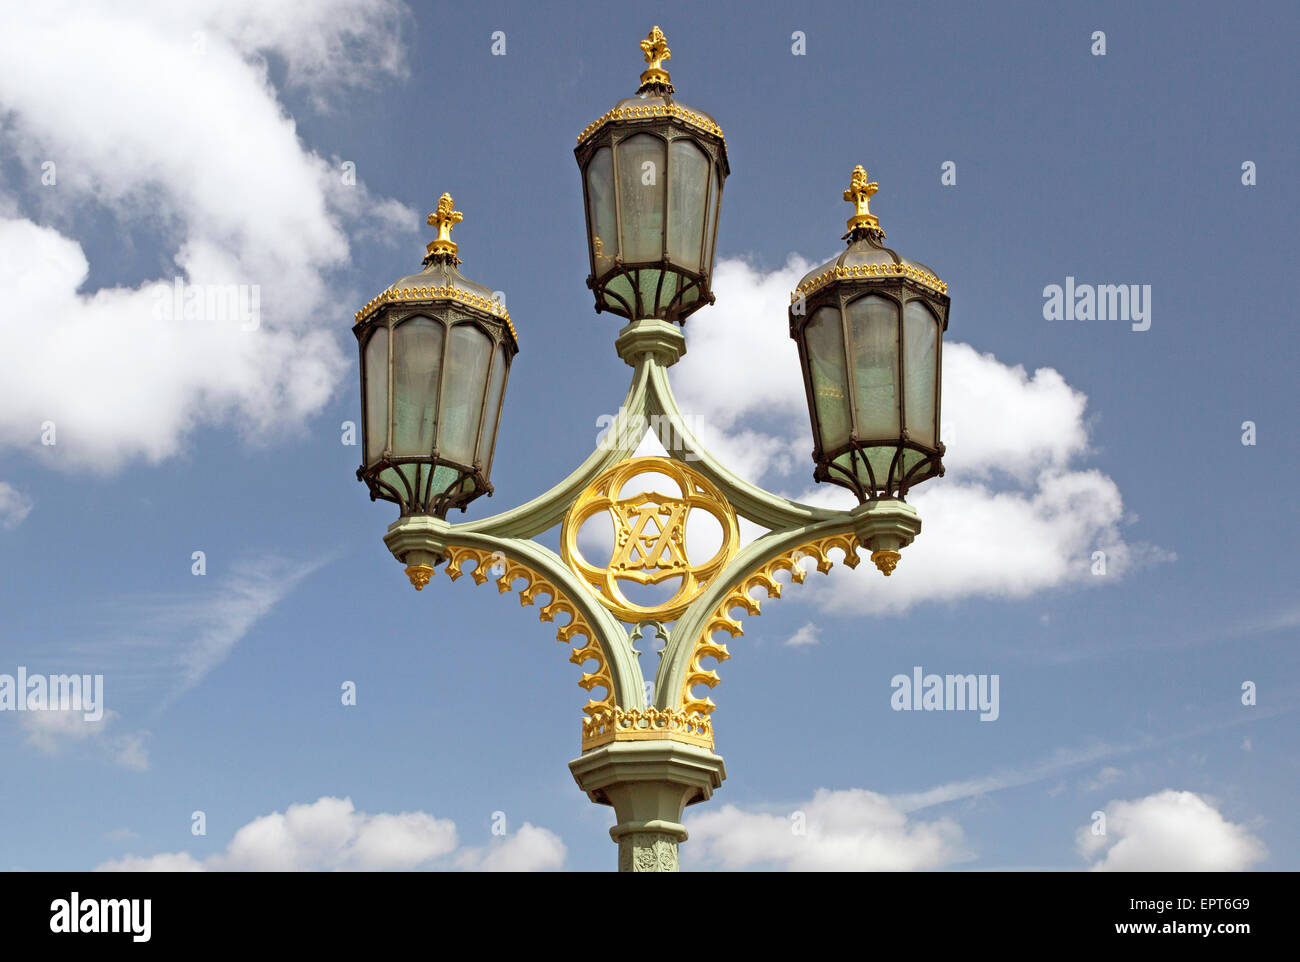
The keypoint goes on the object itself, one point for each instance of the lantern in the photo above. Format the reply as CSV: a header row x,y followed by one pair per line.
x,y
436,350
869,325
652,173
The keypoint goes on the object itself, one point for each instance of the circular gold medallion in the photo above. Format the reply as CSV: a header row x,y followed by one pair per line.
x,y
650,542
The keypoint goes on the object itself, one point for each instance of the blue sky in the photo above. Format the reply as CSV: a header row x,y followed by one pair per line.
x,y
207,143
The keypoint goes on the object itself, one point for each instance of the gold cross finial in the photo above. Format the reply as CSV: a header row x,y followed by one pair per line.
x,y
859,195
444,218
655,49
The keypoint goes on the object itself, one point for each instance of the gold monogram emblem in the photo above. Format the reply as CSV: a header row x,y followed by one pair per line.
x,y
650,542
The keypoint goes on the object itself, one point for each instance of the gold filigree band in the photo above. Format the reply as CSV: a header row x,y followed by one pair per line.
x,y
619,725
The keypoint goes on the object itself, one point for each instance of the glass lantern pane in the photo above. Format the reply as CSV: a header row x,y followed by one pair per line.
x,y
825,345
881,459
621,286
711,223
687,202
417,357
600,199
641,197
496,388
911,459
462,396
873,331
376,361
648,284
920,350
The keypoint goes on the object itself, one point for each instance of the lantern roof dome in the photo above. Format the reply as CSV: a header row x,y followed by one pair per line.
x,y
440,279
654,98
866,256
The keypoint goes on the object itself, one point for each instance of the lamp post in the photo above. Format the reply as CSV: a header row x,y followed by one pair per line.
x,y
868,328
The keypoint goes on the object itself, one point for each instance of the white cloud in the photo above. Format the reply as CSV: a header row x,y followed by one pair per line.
x,y
1169,831
1015,514
809,634
329,834
209,166
531,849
14,506
1108,775
850,830
55,729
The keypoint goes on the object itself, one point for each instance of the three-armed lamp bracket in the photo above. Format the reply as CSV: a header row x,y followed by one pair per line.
x,y
650,757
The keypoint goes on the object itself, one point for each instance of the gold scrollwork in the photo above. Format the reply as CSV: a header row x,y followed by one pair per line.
x,y
559,604
619,724
739,597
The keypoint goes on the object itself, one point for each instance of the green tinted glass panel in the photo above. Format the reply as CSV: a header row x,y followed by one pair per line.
x,y
417,357
688,196
911,459
669,290
600,200
648,281
443,477
462,395
873,333
641,197
881,459
825,345
390,476
710,225
920,365
621,286
376,394
496,388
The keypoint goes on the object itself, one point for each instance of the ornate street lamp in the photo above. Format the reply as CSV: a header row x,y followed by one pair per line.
x,y
869,325
652,173
435,354
435,351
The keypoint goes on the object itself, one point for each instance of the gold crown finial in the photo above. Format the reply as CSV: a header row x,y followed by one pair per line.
x,y
655,49
859,195
444,218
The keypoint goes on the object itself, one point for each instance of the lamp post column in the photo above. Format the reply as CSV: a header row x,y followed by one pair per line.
x,y
648,784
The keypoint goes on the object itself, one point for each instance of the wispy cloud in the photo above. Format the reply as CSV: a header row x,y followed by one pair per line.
x,y
14,506
170,642
1065,759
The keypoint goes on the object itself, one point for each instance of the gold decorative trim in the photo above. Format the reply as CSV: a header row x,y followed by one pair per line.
x,y
739,597
689,117
558,605
629,725
419,575
868,270
649,536
886,560
441,292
